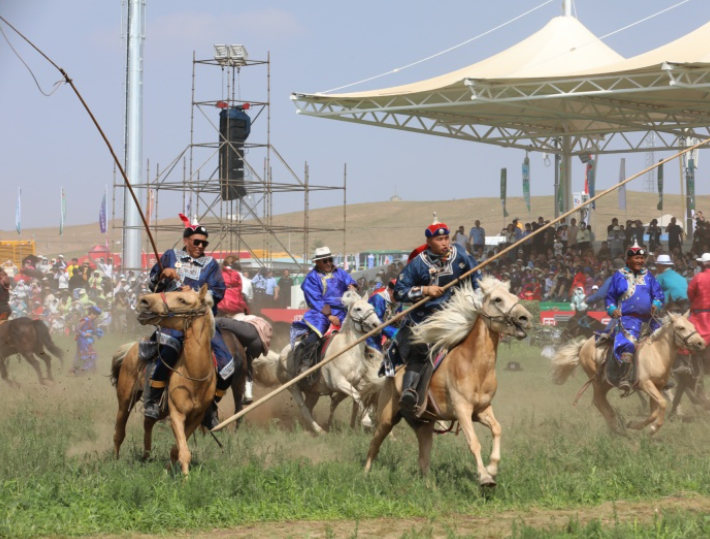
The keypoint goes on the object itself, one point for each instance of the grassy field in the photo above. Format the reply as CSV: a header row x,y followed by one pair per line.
x,y
561,474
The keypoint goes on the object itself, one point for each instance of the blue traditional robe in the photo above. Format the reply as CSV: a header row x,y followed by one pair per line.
x,y
384,308
635,295
427,269
321,289
194,272
85,358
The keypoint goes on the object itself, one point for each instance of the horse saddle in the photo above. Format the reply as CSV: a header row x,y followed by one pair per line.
x,y
304,356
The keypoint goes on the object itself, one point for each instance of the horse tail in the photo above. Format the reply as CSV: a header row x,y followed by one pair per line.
x,y
45,338
266,369
117,361
371,385
566,360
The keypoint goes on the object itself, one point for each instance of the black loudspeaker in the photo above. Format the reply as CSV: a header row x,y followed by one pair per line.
x,y
234,129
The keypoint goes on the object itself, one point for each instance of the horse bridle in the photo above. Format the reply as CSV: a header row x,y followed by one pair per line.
x,y
685,339
359,321
504,316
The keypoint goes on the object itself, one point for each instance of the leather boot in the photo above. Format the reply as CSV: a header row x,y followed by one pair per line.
x,y
211,419
151,402
408,400
628,380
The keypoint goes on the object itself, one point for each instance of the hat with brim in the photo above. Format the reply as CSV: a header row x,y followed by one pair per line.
x,y
321,253
664,260
704,258
513,366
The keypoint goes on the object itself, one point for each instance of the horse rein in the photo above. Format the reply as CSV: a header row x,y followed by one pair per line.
x,y
189,316
504,316
361,320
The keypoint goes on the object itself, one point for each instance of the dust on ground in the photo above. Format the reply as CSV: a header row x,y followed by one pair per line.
x,y
488,527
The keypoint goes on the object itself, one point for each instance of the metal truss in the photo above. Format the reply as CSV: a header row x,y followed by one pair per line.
x,y
599,114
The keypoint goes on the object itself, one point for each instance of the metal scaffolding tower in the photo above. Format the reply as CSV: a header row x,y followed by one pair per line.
x,y
649,181
245,224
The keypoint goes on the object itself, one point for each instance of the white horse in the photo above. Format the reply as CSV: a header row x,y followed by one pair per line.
x,y
341,377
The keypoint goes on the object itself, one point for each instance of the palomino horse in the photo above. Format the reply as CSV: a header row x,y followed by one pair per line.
x,y
27,337
463,386
654,357
191,386
339,378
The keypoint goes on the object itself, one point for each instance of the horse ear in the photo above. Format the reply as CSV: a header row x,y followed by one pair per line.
x,y
673,316
687,313
203,292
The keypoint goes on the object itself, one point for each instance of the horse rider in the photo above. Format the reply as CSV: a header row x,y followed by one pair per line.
x,y
187,269
86,331
673,284
634,298
323,289
425,276
385,306
5,309
699,296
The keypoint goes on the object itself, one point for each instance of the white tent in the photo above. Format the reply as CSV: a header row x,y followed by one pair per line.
x,y
561,90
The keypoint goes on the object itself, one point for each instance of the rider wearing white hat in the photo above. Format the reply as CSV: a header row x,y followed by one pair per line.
x,y
323,289
674,285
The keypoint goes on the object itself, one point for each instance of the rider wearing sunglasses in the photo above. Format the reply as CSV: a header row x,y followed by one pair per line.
x,y
323,289
185,269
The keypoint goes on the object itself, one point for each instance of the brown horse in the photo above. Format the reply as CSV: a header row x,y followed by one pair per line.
x,y
463,386
654,357
27,337
192,383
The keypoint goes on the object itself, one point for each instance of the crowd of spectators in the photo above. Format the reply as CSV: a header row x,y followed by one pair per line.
x,y
570,256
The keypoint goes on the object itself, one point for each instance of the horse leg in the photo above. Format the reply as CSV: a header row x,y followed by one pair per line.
x,y
335,400
301,403
4,375
30,357
354,413
464,413
387,410
349,390
682,386
602,404
658,409
180,451
487,418
425,437
148,424
48,362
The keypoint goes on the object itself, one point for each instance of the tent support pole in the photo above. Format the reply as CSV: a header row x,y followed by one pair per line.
x,y
566,179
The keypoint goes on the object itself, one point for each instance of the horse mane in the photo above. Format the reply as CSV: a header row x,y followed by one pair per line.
x,y
452,324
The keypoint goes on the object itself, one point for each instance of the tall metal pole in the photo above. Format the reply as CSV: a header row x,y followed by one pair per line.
x,y
345,210
134,133
567,8
305,217
566,178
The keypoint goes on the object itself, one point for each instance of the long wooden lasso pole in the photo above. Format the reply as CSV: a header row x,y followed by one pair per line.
x,y
421,302
70,82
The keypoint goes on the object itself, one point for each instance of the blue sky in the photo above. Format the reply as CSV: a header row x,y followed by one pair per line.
x,y
315,45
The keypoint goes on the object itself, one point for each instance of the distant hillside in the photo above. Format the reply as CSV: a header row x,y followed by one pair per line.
x,y
374,225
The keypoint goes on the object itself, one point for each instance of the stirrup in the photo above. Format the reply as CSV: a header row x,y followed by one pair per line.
x,y
408,401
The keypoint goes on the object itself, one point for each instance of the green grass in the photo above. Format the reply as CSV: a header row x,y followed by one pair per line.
x,y
58,475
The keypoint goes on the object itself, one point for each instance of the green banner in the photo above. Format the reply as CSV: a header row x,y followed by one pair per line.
x,y
503,189
526,182
561,187
690,184
659,180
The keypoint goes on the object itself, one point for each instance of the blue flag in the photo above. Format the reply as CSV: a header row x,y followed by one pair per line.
x,y
102,215
18,212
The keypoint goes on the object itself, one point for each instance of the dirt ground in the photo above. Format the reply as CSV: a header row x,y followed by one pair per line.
x,y
495,527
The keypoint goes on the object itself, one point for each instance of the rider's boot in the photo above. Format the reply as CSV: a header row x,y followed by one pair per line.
x,y
409,399
248,392
211,419
151,399
628,380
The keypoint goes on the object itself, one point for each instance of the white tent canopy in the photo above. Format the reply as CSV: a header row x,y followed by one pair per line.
x,y
561,90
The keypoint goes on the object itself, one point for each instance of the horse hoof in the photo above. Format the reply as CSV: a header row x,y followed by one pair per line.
x,y
487,482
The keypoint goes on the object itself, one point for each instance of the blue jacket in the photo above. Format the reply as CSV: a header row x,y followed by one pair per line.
x,y
600,294
674,285
384,310
633,294
320,290
428,270
194,272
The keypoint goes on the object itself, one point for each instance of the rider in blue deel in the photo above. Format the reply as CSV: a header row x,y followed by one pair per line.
x,y
634,297
425,276
184,270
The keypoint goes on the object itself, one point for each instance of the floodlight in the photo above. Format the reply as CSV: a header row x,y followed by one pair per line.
x,y
231,55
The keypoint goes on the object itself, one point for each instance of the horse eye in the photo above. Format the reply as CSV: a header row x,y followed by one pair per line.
x,y
498,300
